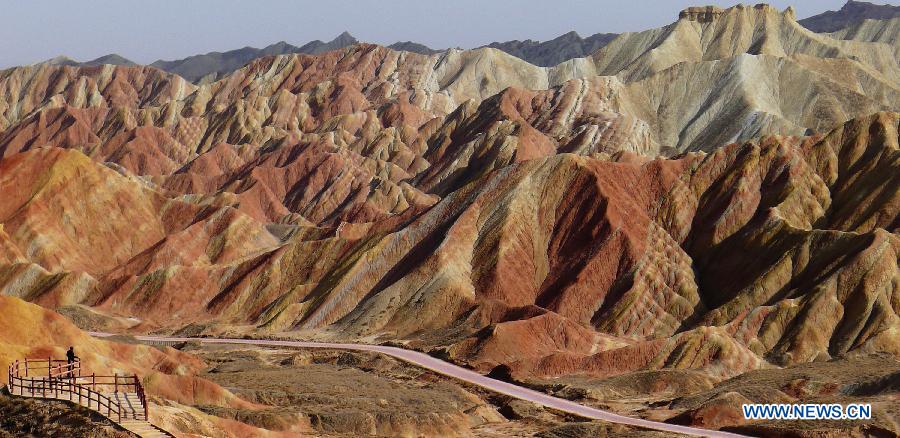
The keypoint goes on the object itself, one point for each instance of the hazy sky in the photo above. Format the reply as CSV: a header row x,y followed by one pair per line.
x,y
143,31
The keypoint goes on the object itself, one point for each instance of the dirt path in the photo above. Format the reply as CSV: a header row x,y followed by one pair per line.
x,y
425,361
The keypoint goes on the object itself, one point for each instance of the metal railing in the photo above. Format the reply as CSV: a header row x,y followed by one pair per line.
x,y
60,379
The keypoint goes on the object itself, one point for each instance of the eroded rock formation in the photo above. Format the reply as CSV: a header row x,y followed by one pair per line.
x,y
500,212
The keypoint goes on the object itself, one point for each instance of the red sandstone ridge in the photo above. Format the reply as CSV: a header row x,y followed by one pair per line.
x,y
628,211
605,242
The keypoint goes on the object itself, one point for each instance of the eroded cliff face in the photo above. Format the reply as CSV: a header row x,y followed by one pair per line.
x,y
707,14
759,253
703,14
722,262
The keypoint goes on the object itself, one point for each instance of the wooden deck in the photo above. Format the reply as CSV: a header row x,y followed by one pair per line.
x,y
118,398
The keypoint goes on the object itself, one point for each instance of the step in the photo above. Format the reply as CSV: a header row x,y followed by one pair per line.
x,y
144,429
132,410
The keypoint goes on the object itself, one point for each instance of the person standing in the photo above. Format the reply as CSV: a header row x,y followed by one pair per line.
x,y
71,358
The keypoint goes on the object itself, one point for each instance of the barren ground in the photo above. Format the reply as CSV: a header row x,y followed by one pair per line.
x,y
688,397
357,393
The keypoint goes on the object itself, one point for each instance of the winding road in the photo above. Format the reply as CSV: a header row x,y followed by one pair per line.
x,y
450,370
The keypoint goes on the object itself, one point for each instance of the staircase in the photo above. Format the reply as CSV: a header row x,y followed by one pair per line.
x,y
119,398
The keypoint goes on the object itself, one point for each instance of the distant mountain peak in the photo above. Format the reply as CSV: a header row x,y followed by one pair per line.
x,y
214,65
344,39
112,58
851,13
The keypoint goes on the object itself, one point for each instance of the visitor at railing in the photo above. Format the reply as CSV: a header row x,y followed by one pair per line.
x,y
62,379
70,355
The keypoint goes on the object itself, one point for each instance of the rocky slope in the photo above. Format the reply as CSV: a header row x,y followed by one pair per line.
x,y
655,242
851,14
494,211
876,31
750,51
608,242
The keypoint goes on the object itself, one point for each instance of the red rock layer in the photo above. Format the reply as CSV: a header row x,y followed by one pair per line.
x,y
367,192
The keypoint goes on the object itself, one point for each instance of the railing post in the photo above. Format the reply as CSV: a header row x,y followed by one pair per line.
x,y
116,383
144,402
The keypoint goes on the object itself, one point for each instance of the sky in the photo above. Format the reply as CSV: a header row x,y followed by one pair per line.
x,y
35,30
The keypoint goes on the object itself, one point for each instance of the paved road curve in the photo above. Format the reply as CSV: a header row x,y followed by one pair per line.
x,y
425,361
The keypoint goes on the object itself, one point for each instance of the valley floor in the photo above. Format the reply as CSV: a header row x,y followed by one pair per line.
x,y
342,393
349,393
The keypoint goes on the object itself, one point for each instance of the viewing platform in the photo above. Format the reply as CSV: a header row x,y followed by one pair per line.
x,y
120,398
